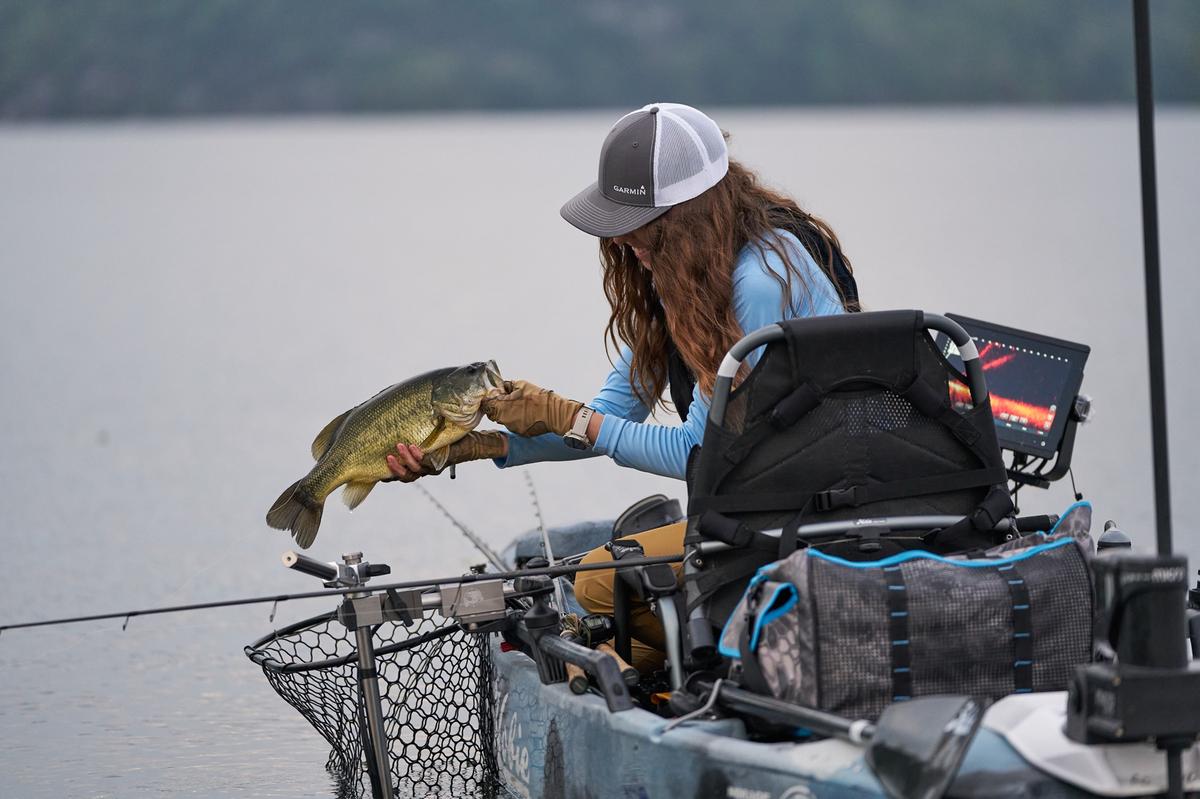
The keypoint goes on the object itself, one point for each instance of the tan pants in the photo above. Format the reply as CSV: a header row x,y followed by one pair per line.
x,y
594,590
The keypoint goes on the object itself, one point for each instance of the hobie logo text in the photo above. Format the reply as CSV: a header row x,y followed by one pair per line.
x,y
626,190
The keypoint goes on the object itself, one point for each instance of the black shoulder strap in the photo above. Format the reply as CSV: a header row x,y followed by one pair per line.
x,y
807,235
680,379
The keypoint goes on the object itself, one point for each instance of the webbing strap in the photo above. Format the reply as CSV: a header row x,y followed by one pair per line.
x,y
938,407
977,530
791,531
789,410
744,563
898,632
1022,624
743,503
853,496
718,527
752,673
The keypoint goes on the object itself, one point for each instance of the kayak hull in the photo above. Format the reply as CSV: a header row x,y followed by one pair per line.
x,y
553,743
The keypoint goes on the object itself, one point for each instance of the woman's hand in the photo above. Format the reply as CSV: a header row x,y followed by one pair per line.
x,y
406,463
529,410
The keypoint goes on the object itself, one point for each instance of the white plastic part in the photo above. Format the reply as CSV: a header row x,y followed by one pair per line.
x,y
856,730
968,350
1033,725
729,366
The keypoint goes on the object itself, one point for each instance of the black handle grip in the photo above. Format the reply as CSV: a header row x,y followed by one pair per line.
x,y
303,563
1032,524
606,671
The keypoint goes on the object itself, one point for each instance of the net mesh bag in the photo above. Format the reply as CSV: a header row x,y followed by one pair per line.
x,y
435,682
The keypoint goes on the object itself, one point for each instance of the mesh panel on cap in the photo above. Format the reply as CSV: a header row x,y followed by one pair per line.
x,y
678,156
705,128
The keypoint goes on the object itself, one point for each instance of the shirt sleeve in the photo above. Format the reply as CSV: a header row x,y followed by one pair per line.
x,y
616,400
654,448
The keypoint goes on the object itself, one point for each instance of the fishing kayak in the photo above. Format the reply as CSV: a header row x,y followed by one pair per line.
x,y
550,742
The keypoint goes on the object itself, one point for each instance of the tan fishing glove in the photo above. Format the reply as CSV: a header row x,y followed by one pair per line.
x,y
529,410
477,446
474,446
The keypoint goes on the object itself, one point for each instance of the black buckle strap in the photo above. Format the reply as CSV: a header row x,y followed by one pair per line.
x,y
837,498
853,496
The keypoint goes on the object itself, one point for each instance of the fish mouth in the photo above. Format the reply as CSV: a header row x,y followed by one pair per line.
x,y
491,375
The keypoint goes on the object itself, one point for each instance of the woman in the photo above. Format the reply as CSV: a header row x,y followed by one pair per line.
x,y
696,254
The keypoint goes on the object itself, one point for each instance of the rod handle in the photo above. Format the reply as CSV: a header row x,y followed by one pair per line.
x,y
628,673
577,679
311,566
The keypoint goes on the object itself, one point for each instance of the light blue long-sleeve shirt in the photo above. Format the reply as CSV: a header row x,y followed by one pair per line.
x,y
624,434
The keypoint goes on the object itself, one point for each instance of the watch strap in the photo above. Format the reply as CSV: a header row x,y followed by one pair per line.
x,y
578,431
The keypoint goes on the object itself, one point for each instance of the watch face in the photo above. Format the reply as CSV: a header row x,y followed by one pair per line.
x,y
574,442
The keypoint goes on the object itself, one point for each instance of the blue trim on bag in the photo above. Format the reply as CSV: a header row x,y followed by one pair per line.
x,y
1067,513
917,554
758,577
772,612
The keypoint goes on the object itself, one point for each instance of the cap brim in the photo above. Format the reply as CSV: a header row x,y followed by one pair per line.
x,y
593,213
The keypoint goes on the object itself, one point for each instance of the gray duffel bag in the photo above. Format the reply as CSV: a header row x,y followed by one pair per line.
x,y
852,638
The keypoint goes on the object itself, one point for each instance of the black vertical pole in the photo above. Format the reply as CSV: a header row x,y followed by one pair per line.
x,y
1154,328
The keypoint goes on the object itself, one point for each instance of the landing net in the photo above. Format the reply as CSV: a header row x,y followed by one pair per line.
x,y
436,687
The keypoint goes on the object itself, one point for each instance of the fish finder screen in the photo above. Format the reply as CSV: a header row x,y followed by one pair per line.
x,y
1032,381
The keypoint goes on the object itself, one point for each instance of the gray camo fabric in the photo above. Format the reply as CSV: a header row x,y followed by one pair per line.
x,y
832,648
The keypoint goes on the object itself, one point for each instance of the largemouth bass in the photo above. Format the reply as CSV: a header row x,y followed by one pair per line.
x,y
432,410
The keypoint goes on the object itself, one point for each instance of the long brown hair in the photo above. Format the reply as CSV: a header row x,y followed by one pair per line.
x,y
685,295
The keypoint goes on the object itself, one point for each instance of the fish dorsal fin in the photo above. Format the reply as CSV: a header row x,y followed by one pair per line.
x,y
324,438
356,492
438,427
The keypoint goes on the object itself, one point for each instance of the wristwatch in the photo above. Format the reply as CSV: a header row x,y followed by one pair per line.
x,y
576,437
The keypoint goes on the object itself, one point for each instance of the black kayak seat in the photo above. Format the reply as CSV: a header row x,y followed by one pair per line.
x,y
848,417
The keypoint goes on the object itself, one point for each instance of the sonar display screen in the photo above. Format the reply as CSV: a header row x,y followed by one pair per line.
x,y
1032,381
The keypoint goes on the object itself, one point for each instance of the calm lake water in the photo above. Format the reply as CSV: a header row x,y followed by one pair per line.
x,y
185,305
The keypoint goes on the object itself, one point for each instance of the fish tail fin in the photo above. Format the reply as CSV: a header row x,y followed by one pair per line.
x,y
297,511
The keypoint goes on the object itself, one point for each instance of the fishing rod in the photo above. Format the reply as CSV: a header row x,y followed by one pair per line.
x,y
462,579
1154,323
479,543
547,549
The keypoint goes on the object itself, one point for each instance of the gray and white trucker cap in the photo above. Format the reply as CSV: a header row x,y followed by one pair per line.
x,y
658,156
